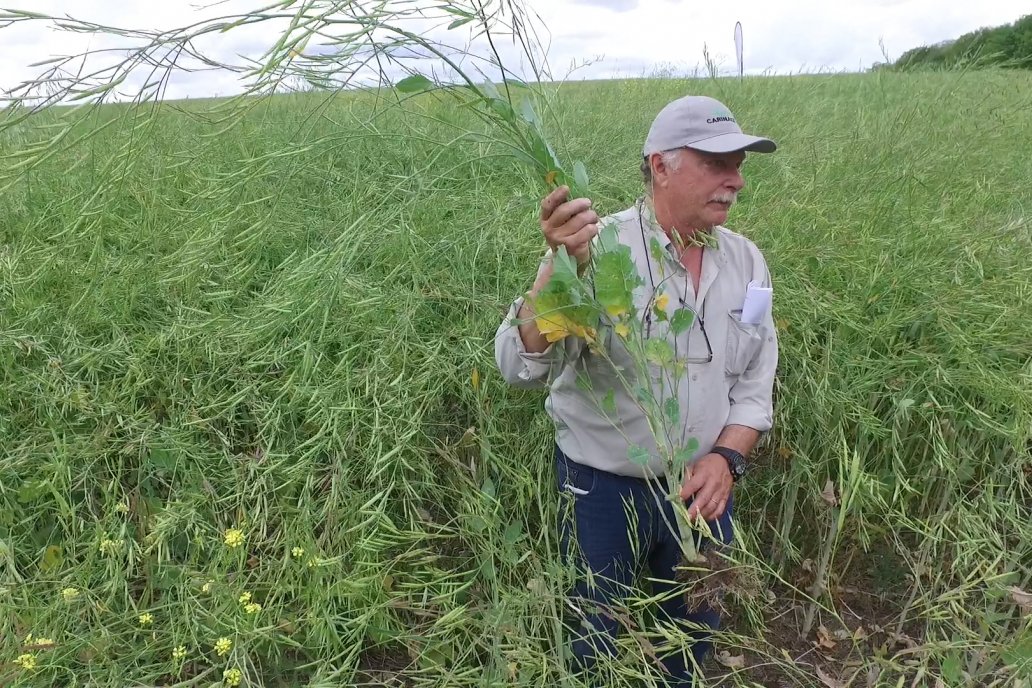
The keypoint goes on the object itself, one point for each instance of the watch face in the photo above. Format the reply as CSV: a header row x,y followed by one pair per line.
x,y
738,466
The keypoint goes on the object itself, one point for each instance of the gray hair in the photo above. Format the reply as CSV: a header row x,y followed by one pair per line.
x,y
671,158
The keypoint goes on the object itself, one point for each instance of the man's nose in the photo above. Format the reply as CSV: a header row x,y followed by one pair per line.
x,y
737,181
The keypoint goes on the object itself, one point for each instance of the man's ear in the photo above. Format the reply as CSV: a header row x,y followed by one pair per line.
x,y
659,169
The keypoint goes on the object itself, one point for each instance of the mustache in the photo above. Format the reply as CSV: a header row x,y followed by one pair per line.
x,y
727,197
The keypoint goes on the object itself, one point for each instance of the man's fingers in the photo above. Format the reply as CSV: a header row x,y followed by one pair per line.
x,y
582,237
712,509
553,201
720,509
567,211
701,504
695,481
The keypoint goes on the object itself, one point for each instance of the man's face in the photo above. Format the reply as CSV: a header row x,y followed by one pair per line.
x,y
699,191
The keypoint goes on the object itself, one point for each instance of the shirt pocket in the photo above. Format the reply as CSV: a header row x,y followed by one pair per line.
x,y
743,341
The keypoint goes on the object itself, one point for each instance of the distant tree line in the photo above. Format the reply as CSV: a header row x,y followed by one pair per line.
x,y
1009,45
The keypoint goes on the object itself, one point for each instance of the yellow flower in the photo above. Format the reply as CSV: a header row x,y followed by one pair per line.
x,y
253,608
622,330
616,311
245,598
179,653
107,546
555,327
234,538
26,661
297,552
146,619
475,379
69,594
28,639
662,301
232,677
206,588
223,646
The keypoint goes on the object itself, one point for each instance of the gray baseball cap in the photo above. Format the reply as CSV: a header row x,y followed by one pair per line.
x,y
703,124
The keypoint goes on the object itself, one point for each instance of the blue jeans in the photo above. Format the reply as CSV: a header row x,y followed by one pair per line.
x,y
596,535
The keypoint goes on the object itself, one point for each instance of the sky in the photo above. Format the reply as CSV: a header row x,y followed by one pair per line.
x,y
584,38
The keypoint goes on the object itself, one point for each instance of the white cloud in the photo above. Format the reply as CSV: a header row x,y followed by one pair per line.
x,y
615,37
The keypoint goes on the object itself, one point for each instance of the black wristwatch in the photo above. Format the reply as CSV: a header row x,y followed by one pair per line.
x,y
735,461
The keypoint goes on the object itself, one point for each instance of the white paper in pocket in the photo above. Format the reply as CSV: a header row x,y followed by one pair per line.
x,y
757,304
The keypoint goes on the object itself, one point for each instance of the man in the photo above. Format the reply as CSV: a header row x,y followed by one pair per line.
x,y
692,168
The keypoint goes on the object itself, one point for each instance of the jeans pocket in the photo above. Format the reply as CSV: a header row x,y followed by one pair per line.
x,y
574,478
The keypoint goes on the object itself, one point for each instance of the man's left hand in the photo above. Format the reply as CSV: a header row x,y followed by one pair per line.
x,y
709,481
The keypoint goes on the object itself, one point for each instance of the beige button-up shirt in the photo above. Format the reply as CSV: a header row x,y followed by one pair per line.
x,y
599,428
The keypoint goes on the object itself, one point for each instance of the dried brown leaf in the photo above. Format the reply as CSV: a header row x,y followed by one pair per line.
x,y
537,586
829,681
824,641
731,661
1021,598
829,494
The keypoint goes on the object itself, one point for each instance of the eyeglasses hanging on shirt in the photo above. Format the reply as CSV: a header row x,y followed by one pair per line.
x,y
699,318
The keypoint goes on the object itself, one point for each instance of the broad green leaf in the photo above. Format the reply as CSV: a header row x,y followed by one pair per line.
x,y
682,320
503,108
564,265
490,90
31,490
1020,653
512,533
580,176
545,157
672,409
609,403
162,459
608,237
638,455
659,351
477,523
683,455
435,657
379,634
53,557
459,22
488,488
615,279
656,249
528,113
414,84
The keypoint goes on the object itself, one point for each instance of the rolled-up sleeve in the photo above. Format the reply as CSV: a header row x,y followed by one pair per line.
x,y
518,366
752,395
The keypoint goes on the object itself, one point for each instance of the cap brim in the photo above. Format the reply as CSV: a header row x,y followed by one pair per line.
x,y
732,143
